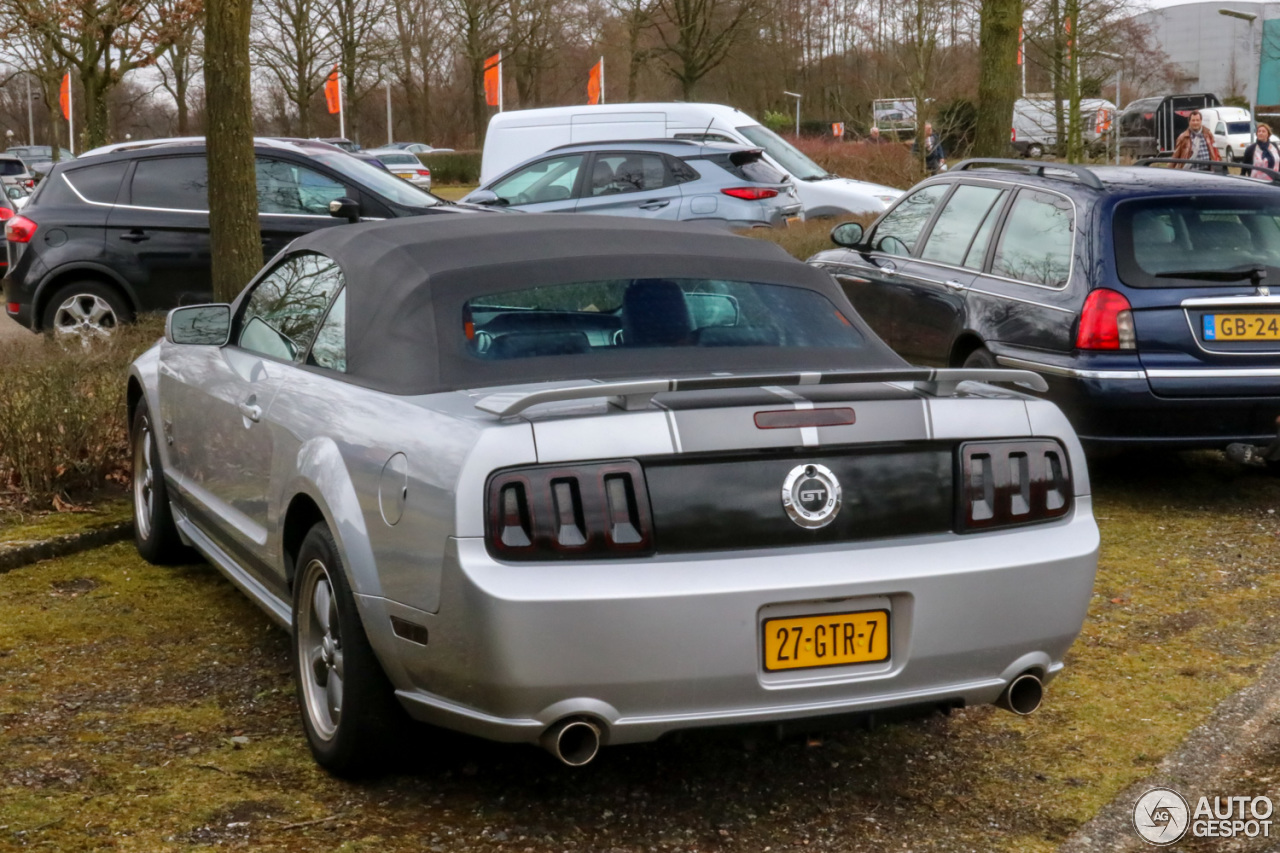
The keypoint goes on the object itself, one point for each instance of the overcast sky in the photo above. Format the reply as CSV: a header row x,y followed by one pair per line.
x,y
1140,5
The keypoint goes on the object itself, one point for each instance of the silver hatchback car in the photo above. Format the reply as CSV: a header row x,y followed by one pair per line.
x,y
654,179
583,481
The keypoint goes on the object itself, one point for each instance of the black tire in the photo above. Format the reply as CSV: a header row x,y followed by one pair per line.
x,y
1231,156
154,532
1035,151
85,308
361,736
981,358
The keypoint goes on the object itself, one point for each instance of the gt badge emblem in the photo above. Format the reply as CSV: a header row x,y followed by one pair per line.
x,y
811,495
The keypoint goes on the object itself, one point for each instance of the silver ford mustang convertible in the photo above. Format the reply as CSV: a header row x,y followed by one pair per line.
x,y
584,481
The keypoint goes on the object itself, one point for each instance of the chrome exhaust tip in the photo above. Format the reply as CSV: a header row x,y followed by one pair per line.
x,y
1023,695
575,741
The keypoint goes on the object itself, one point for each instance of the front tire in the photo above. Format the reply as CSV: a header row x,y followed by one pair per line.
x,y
1231,157
349,709
154,533
981,358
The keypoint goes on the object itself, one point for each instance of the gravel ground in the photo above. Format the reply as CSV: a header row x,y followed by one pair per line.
x,y
146,708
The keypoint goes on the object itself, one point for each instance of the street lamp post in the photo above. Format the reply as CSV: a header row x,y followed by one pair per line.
x,y
1249,18
1115,119
797,97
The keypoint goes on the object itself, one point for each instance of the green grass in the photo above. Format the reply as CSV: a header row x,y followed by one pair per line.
x,y
121,685
453,193
18,526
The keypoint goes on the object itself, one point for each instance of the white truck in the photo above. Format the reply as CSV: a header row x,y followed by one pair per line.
x,y
517,135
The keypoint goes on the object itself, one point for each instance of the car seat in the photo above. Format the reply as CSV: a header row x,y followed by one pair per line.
x,y
532,344
655,314
602,177
1217,234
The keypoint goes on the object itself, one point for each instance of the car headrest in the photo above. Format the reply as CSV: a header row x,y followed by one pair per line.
x,y
532,344
1216,234
654,314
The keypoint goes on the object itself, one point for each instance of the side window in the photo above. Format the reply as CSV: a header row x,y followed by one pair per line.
x,y
1220,129
98,183
289,188
977,253
957,224
681,172
626,173
330,348
283,313
904,222
546,180
1036,243
171,183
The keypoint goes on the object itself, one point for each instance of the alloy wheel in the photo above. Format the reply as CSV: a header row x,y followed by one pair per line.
x,y
85,315
320,650
143,480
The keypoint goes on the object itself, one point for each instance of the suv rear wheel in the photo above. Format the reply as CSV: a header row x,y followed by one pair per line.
x,y
85,309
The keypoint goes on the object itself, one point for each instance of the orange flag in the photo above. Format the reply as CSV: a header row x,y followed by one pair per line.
x,y
331,95
595,83
64,96
493,80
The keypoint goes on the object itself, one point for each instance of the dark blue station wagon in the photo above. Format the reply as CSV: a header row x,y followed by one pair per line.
x,y
1143,295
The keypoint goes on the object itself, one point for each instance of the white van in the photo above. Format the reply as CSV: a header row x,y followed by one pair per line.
x,y
1232,129
520,134
1035,124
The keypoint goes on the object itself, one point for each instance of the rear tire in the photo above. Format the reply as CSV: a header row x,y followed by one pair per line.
x,y
349,709
981,358
154,533
86,309
1035,151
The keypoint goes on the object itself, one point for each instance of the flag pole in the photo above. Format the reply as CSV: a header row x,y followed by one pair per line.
x,y
71,118
342,113
602,80
499,81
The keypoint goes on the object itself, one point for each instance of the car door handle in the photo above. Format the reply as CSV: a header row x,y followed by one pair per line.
x,y
137,235
889,269
251,411
955,285
656,204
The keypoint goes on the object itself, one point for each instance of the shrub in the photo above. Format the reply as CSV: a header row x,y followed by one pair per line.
x,y
889,163
453,167
806,239
62,424
778,122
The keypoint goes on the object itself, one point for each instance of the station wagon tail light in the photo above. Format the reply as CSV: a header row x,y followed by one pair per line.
x,y
557,512
1106,323
1011,483
19,229
750,193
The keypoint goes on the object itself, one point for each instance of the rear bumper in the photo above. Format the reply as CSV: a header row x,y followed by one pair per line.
x,y
1117,407
652,646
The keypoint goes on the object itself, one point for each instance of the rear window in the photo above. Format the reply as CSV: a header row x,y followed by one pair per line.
x,y
398,159
1197,241
8,168
749,167
623,316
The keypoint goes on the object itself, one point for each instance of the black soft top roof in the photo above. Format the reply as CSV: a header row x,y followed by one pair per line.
x,y
408,279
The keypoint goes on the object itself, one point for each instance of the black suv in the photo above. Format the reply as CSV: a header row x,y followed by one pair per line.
x,y
1143,295
109,235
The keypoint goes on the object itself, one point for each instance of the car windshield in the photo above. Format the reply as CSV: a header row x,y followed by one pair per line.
x,y
1239,128
383,183
784,153
1198,241
652,313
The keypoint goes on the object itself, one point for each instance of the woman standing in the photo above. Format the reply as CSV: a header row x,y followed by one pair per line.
x,y
1264,152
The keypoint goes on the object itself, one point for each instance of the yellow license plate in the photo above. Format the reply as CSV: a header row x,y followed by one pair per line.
x,y
405,175
836,639
1242,327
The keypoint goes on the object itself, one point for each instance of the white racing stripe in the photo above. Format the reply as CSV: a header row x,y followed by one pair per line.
x,y
809,434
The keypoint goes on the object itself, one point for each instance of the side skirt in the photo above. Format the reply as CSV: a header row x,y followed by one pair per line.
x,y
280,612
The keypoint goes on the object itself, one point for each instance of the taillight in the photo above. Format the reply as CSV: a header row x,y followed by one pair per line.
x,y
1013,134
7,213
425,173
1009,483
1106,323
554,512
750,193
19,229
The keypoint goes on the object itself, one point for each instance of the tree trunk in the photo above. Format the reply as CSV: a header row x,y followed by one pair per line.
x,y
233,199
479,109
997,75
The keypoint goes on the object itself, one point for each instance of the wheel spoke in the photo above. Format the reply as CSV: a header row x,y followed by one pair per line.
x,y
333,697
98,310
319,669
320,602
76,309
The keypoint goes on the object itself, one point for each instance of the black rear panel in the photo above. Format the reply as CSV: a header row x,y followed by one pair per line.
x,y
735,501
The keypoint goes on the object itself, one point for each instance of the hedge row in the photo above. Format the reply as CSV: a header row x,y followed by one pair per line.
x,y
460,168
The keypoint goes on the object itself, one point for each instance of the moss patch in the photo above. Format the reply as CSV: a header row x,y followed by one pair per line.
x,y
122,685
18,527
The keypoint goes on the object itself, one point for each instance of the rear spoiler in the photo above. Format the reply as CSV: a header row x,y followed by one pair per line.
x,y
636,394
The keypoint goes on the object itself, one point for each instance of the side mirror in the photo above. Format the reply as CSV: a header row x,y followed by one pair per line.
x,y
487,197
847,234
198,325
345,208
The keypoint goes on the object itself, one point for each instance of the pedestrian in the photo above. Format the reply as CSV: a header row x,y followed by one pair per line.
x,y
1264,152
1195,143
874,137
935,159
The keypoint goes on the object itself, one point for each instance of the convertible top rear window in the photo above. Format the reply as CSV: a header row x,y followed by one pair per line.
x,y
630,315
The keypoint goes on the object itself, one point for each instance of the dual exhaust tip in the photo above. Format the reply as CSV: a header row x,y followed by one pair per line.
x,y
575,741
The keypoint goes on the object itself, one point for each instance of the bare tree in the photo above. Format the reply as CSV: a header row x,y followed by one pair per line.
x,y
418,39
479,27
356,28
180,65
291,43
697,36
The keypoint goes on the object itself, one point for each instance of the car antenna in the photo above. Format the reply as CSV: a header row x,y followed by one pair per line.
x,y
707,132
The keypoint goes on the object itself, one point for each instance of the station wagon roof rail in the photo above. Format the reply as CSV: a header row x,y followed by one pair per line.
x,y
1043,170
636,394
1219,166
661,139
